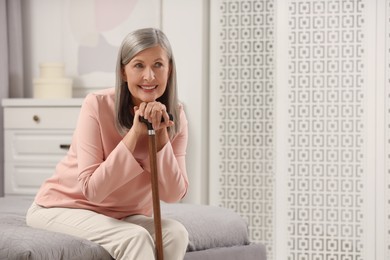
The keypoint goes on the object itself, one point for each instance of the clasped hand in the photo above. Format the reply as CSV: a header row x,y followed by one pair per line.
x,y
154,112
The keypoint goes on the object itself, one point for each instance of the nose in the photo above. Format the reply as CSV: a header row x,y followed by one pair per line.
x,y
148,74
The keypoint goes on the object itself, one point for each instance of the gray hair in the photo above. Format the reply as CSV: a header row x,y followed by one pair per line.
x,y
132,44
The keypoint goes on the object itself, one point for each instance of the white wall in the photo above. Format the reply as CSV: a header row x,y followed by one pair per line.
x,y
186,25
42,23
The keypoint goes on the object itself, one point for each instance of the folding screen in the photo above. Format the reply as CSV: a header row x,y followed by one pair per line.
x,y
300,124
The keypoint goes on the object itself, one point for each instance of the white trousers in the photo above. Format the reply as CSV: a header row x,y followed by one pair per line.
x,y
130,238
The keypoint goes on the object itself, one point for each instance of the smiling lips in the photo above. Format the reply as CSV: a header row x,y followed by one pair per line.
x,y
148,87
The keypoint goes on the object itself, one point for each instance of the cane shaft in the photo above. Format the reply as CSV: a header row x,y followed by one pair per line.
x,y
155,197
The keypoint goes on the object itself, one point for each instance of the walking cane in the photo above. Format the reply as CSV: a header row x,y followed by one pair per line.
x,y
155,194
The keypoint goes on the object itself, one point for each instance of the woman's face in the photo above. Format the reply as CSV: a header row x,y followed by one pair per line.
x,y
147,75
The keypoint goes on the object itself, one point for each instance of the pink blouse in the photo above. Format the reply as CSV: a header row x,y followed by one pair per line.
x,y
99,173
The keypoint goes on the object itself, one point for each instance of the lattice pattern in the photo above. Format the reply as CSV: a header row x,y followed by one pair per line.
x,y
325,146
246,111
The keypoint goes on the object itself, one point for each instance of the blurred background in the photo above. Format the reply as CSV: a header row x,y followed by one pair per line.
x,y
288,104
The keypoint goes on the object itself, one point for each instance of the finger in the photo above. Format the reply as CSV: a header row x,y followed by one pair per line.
x,y
149,110
157,119
137,125
135,109
160,110
154,112
166,116
142,109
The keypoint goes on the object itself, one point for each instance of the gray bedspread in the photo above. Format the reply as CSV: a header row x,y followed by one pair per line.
x,y
214,233
208,226
18,241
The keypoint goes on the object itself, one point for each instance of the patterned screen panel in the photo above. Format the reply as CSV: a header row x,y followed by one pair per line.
x,y
325,201
325,113
246,100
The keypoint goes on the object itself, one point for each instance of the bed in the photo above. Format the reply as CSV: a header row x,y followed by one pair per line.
x,y
214,233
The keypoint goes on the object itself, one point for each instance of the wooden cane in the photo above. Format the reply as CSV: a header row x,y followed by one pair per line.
x,y
155,194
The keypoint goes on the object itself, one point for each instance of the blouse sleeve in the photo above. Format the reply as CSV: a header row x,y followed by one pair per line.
x,y
171,166
100,176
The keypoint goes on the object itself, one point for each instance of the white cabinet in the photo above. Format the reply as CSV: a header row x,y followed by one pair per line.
x,y
37,134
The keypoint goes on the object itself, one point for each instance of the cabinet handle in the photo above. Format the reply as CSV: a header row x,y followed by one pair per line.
x,y
65,146
36,119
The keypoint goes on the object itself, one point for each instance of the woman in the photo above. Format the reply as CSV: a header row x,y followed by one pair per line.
x,y
101,190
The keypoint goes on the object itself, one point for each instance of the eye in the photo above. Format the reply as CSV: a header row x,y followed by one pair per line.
x,y
138,65
158,65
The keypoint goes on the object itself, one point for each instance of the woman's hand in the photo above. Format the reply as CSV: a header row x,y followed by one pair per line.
x,y
155,113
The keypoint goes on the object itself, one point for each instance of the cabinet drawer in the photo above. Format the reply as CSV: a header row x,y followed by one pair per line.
x,y
36,146
40,117
26,178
